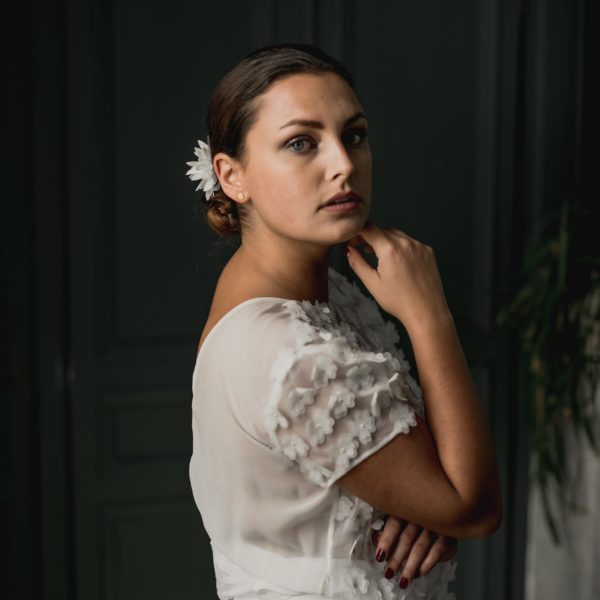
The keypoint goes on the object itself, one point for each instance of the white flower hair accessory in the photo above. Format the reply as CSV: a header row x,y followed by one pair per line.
x,y
202,170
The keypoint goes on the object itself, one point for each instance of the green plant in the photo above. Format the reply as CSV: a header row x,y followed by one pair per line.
x,y
556,314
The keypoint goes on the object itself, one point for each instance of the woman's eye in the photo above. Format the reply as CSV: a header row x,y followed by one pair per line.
x,y
356,136
361,133
293,143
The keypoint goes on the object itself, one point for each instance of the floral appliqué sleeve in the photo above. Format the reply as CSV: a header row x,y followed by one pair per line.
x,y
332,403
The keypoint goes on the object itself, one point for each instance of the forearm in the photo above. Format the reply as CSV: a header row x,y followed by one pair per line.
x,y
455,415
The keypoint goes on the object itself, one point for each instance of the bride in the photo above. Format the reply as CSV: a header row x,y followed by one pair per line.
x,y
320,468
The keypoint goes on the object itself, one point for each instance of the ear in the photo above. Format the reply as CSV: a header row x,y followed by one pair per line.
x,y
230,175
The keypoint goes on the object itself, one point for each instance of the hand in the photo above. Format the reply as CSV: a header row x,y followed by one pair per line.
x,y
419,549
406,282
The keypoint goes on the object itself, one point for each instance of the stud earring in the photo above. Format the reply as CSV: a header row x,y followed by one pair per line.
x,y
241,196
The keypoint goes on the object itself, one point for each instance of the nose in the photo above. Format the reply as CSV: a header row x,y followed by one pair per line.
x,y
339,161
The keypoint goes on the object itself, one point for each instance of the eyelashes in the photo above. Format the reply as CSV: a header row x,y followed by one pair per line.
x,y
292,144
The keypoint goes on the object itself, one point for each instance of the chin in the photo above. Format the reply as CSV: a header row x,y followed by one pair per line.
x,y
348,230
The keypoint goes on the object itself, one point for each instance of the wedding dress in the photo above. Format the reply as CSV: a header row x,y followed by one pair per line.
x,y
288,396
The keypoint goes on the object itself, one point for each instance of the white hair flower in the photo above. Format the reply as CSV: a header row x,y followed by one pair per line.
x,y
202,170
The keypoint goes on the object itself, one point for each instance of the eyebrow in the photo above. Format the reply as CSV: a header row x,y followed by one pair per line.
x,y
319,125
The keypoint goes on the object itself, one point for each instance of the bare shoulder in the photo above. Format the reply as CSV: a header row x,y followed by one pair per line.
x,y
235,285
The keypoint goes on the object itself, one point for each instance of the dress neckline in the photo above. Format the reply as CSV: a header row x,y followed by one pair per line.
x,y
332,274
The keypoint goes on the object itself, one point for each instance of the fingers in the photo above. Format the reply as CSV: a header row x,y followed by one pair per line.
x,y
414,550
360,266
412,547
411,550
357,241
387,537
425,555
370,234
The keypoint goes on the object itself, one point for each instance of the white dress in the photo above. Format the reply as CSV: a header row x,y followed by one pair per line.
x,y
288,396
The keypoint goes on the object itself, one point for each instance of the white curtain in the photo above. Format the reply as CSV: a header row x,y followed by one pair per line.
x,y
570,571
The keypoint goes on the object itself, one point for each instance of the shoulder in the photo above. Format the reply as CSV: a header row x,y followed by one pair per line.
x,y
258,315
262,340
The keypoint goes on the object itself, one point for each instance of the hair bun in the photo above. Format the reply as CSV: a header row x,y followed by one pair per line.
x,y
221,214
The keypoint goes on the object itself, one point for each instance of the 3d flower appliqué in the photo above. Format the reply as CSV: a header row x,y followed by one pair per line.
x,y
296,310
403,413
348,333
320,425
397,386
323,370
363,425
298,399
387,588
340,402
274,419
401,358
345,448
393,362
315,472
380,400
389,333
363,512
357,579
294,446
323,315
344,508
347,354
359,376
305,328
306,333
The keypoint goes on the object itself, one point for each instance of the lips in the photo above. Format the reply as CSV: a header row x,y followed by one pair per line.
x,y
342,196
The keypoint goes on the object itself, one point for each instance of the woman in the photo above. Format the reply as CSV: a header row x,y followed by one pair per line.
x,y
300,387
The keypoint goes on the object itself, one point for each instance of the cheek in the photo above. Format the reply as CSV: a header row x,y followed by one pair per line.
x,y
274,177
290,208
287,192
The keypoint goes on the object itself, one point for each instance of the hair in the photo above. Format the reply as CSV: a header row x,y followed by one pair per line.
x,y
232,112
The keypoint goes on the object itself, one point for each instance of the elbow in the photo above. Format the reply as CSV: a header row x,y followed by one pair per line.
x,y
486,526
472,520
484,517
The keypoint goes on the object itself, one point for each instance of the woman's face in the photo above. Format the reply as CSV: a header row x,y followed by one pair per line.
x,y
292,169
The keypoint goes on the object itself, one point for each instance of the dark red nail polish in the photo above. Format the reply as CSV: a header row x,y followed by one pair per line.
x,y
403,582
389,573
380,556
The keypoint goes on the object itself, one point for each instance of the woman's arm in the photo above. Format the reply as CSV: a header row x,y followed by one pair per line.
x,y
455,416
443,473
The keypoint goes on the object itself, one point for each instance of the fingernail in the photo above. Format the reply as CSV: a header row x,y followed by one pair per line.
x,y
389,573
403,582
380,556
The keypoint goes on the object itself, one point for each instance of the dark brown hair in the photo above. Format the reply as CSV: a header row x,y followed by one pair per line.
x,y
232,111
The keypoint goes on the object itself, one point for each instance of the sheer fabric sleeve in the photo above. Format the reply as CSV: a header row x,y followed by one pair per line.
x,y
333,404
365,313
